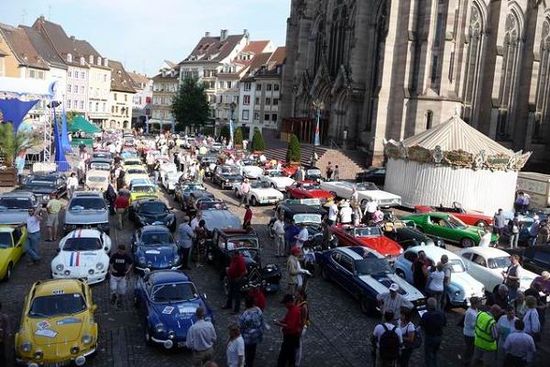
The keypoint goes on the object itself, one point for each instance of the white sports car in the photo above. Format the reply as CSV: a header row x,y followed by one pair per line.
x,y
252,172
83,254
260,192
277,179
366,191
169,180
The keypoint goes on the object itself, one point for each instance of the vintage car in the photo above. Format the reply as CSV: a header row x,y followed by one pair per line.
x,y
169,180
365,191
277,179
486,265
134,172
143,188
365,274
208,162
469,217
447,227
154,248
146,212
226,242
220,220
102,154
289,169
167,301
97,180
195,200
82,254
261,192
184,190
225,176
43,186
15,205
58,325
369,236
462,287
376,175
308,189
86,209
100,165
302,212
533,258
312,173
406,235
12,247
252,172
166,167
132,161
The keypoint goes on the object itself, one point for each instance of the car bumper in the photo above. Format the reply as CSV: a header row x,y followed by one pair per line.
x,y
89,278
168,343
104,227
148,269
269,201
59,360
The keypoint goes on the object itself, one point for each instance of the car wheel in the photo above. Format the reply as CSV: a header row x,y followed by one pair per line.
x,y
366,306
324,274
8,272
482,222
273,186
400,273
253,201
225,285
467,242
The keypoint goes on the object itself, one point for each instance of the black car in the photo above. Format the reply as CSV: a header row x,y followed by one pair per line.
x,y
195,198
534,258
43,186
311,216
152,212
225,176
185,189
407,236
376,175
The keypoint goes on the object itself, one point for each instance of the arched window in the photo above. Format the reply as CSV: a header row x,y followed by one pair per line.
x,y
337,42
320,45
542,115
473,61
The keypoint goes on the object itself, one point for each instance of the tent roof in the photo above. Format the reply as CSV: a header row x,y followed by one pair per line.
x,y
455,134
81,124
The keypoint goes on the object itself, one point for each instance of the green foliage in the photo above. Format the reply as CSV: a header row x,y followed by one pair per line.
x,y
190,105
238,137
293,153
12,144
70,116
224,132
258,143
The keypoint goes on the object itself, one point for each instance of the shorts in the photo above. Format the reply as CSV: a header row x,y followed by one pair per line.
x,y
118,285
52,220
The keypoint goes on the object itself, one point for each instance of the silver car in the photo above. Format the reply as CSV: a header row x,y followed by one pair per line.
x,y
87,209
14,206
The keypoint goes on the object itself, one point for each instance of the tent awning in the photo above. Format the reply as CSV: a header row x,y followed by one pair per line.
x,y
81,124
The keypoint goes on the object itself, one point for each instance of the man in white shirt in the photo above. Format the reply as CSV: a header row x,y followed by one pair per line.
x,y
235,347
279,230
345,213
302,236
370,209
33,234
332,212
244,190
379,330
195,221
201,337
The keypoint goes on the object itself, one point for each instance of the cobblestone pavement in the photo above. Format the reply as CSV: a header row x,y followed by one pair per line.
x,y
339,334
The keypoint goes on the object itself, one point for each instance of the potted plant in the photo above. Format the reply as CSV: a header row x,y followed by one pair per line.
x,y
238,138
258,143
293,153
11,144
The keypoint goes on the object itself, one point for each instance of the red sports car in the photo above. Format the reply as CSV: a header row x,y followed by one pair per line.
x,y
289,169
371,237
306,190
470,218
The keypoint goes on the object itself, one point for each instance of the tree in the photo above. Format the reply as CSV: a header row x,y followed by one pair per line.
x,y
238,138
293,153
258,143
224,132
11,143
190,105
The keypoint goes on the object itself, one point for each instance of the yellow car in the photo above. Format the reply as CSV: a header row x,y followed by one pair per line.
x,y
133,173
143,189
12,243
57,325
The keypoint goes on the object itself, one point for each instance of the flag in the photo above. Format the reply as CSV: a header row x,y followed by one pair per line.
x,y
62,164
64,134
231,133
317,139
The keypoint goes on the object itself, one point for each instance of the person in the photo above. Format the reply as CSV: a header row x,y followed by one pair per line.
x,y
291,326
346,213
247,219
201,337
302,236
122,203
393,301
408,331
332,212
279,231
522,202
235,352
299,174
432,323
448,270
485,337
5,338
33,234
388,340
186,237
531,319
336,173
485,237
420,271
291,231
514,227
544,233
110,196
72,185
377,216
500,296
236,272
53,207
505,326
370,209
512,276
294,270
195,221
329,171
534,230
120,265
201,236
470,317
543,282
519,304
435,286
499,223
251,323
20,165
301,302
519,347
244,190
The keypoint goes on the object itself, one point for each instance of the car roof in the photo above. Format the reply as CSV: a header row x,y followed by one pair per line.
x,y
486,251
167,276
87,194
433,251
303,209
53,286
155,228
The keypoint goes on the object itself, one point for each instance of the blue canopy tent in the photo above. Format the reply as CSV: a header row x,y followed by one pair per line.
x,y
14,110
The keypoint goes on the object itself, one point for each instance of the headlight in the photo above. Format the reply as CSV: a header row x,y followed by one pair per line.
x,y
171,334
67,272
99,266
26,346
86,339
91,271
46,197
59,267
159,328
226,181
141,260
422,243
38,355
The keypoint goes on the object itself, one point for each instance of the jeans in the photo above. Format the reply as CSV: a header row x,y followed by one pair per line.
x,y
439,297
33,240
514,238
280,240
468,349
185,257
249,354
234,295
431,347
287,355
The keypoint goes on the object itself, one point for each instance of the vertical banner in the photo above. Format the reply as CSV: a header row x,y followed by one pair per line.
x,y
231,133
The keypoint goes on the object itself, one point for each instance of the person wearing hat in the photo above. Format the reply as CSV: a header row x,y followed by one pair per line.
x,y
393,301
345,212
332,211
291,326
543,282
185,242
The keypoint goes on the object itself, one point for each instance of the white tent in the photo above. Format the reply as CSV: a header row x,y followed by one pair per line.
x,y
453,162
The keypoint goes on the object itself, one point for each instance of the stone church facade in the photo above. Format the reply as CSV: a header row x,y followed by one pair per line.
x,y
388,69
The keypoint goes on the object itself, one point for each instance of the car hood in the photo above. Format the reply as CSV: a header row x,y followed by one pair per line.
x,y
265,192
55,330
232,177
466,281
379,194
160,256
282,181
381,283
382,244
321,194
176,316
80,259
220,219
38,189
86,216
154,217
12,216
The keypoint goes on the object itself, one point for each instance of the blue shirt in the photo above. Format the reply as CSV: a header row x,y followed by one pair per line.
x,y
251,322
291,231
520,344
186,235
201,336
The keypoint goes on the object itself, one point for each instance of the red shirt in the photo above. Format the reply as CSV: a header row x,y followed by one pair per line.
x,y
121,202
237,267
259,298
248,216
293,321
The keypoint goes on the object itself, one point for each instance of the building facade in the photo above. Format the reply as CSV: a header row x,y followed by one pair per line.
x,y
165,87
142,99
391,69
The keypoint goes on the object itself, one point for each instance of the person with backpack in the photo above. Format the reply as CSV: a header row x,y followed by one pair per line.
x,y
412,338
432,323
388,340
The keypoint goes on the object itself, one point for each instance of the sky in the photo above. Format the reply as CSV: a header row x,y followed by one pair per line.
x,y
143,33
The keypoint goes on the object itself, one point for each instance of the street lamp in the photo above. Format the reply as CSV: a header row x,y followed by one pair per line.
x,y
319,105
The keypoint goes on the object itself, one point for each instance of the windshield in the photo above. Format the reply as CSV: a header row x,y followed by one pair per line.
x,y
87,204
41,181
230,171
455,222
366,231
208,204
136,171
456,266
260,185
308,186
16,203
5,240
276,174
238,243
97,179
307,218
153,207
57,304
192,187
498,262
82,244
144,188
313,172
308,201
156,238
179,292
100,166
366,186
372,266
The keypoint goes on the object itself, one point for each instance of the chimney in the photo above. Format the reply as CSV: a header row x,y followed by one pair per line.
x,y
72,38
206,34
245,32
223,35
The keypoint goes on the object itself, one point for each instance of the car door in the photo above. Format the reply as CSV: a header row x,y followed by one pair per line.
x,y
441,227
477,268
537,260
17,244
344,271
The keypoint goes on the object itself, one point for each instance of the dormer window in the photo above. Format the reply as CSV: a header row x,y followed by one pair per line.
x,y
91,59
82,60
99,61
69,58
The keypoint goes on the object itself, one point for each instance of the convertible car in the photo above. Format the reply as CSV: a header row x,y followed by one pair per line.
x,y
407,235
185,189
468,217
369,236
365,191
12,242
261,192
306,190
277,179
167,301
154,248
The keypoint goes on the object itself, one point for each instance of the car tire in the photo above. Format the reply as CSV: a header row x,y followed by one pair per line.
x,y
482,222
467,242
400,273
8,272
253,201
366,306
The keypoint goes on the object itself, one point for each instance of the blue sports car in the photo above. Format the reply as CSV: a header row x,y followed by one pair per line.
x,y
154,248
365,274
167,301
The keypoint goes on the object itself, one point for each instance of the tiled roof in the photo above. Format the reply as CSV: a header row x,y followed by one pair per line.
x,y
259,60
256,47
44,48
22,47
278,57
212,49
138,79
120,80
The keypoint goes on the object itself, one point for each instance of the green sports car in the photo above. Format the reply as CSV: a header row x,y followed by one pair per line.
x,y
448,227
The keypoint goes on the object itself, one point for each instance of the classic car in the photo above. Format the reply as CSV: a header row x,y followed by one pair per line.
x,y
43,186
277,179
195,199
376,175
97,180
447,227
184,190
226,242
533,258
261,192
365,274
308,189
299,212
312,173
12,242
220,219
58,325
369,236
100,165
462,286
146,212
86,209
133,161
289,169
102,154
134,172
82,254
15,205
208,162
169,180
406,235
252,171
486,265
225,176
365,191
166,167
154,248
469,217
167,301
143,189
